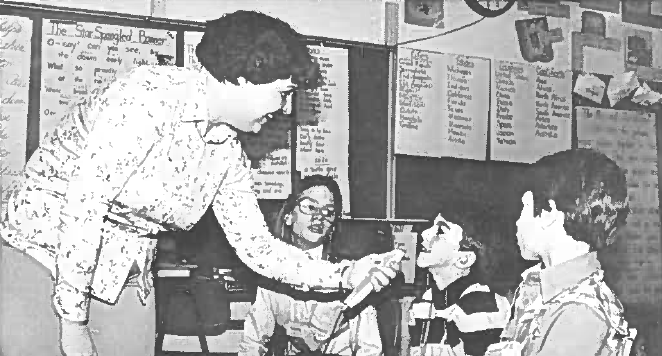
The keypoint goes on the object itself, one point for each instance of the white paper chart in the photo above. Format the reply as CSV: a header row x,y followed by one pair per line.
x,y
440,107
628,137
15,51
79,58
531,112
191,40
324,149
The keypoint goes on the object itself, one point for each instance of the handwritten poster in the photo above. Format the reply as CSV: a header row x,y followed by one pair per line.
x,y
628,137
191,40
324,149
441,107
15,46
80,58
532,112
273,180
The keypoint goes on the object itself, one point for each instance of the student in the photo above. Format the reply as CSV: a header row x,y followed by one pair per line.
x,y
151,153
473,309
576,202
301,320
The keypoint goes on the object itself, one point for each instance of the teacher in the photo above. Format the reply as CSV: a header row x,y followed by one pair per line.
x,y
151,153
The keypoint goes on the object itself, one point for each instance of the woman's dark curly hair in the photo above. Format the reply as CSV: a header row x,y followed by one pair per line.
x,y
259,48
589,188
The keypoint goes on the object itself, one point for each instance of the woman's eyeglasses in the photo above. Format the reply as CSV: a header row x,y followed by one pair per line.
x,y
306,207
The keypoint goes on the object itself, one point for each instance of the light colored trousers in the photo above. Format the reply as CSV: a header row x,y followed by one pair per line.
x,y
29,325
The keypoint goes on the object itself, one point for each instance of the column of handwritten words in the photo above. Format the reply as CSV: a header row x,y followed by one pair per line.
x,y
79,59
15,45
418,110
628,137
464,131
323,149
532,112
273,180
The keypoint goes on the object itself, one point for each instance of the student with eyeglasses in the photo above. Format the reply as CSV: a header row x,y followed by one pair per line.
x,y
289,321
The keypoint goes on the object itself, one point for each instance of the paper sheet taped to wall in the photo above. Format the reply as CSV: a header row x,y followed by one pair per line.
x,y
628,137
81,58
531,112
324,149
15,51
442,105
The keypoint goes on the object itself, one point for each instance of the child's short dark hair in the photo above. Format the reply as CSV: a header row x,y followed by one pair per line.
x,y
589,188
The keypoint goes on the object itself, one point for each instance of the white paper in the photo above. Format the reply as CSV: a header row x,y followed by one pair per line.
x,y
621,86
324,149
531,112
80,58
15,51
405,240
629,138
273,180
645,96
191,40
590,87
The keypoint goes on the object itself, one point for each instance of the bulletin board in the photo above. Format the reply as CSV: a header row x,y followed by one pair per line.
x,y
68,54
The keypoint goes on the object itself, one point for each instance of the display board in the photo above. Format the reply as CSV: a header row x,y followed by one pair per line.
x,y
323,149
80,58
441,106
531,112
628,137
15,52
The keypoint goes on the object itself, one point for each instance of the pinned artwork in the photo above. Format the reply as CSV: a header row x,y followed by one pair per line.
x,y
549,8
613,6
640,12
425,13
639,54
535,39
593,35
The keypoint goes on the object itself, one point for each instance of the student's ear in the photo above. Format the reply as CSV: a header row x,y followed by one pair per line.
x,y
465,259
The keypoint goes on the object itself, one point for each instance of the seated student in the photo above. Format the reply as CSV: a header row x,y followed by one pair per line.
x,y
576,202
473,308
285,321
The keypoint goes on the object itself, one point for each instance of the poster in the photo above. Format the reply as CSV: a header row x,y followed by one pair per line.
x,y
628,137
80,58
191,40
531,112
15,52
324,149
441,106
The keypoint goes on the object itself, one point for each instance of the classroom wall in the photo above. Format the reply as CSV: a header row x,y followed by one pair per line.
x,y
363,20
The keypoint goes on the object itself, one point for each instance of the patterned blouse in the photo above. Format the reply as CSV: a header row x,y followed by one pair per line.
x,y
126,163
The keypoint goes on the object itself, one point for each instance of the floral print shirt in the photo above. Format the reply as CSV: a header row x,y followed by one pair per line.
x,y
126,163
